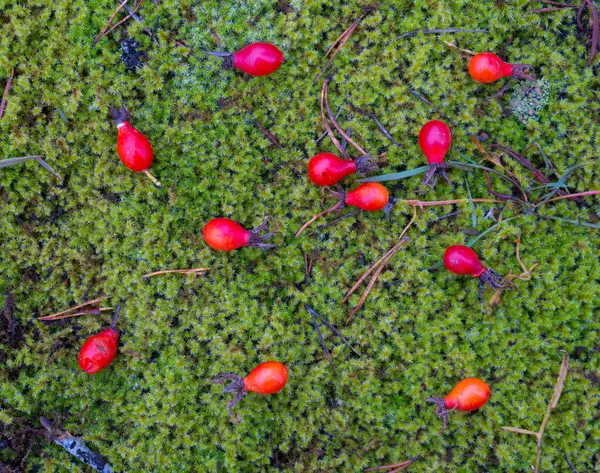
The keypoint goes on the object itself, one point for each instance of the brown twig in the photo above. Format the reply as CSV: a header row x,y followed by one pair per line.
x,y
72,311
580,9
269,135
105,30
560,383
572,196
6,89
378,267
454,46
439,31
394,468
194,271
524,276
328,130
334,121
339,43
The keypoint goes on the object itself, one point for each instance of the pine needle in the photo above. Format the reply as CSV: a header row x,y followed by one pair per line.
x,y
5,94
194,271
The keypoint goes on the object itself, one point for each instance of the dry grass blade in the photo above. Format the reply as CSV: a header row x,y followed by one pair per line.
x,y
269,135
394,468
439,31
454,46
339,43
558,388
595,26
39,159
57,315
321,338
378,267
520,431
524,276
328,130
76,314
570,196
5,94
334,121
194,271
110,20
424,203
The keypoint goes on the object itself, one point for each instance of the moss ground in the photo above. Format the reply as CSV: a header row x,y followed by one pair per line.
x,y
102,227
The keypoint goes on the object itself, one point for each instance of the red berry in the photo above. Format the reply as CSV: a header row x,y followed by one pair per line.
x,y
488,68
463,260
224,234
370,196
133,147
258,59
326,169
468,395
266,378
435,139
100,350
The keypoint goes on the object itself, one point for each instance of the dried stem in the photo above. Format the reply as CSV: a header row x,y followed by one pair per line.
x,y
524,276
5,94
334,121
194,271
335,208
155,181
454,46
328,130
105,31
439,31
395,468
560,383
269,135
72,312
571,196
339,43
378,267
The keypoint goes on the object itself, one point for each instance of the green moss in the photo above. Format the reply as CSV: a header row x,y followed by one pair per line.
x,y
420,331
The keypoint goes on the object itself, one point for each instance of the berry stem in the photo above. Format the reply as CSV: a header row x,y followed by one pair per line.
x,y
155,181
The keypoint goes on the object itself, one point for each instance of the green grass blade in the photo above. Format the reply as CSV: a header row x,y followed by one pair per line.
x,y
396,175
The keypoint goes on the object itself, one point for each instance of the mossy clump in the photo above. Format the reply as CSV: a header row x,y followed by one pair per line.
x,y
528,99
99,229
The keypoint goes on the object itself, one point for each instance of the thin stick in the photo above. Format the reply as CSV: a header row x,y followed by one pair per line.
x,y
373,280
112,17
334,140
335,123
558,388
155,181
339,43
269,135
136,8
454,46
76,314
195,271
573,469
320,214
93,301
5,94
379,265
570,196
439,31
420,203
321,338
397,467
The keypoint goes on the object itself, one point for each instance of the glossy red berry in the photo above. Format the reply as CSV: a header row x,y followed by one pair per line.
x,y
326,169
488,68
258,59
463,260
133,147
468,395
371,196
267,378
435,139
224,234
100,350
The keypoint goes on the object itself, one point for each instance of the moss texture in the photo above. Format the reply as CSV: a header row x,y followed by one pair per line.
x,y
420,332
